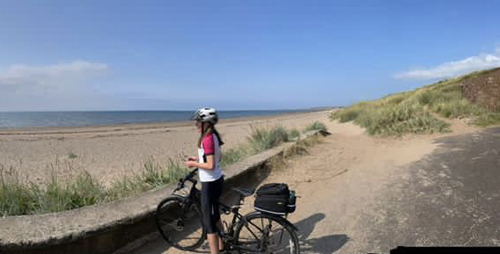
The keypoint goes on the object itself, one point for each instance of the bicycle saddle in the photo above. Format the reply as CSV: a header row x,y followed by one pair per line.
x,y
244,192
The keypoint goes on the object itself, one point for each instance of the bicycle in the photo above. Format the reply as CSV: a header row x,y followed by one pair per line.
x,y
178,218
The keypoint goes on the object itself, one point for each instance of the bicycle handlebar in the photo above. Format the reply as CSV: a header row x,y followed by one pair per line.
x,y
191,174
188,177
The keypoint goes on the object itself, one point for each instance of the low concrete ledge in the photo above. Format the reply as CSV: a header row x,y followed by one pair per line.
x,y
105,228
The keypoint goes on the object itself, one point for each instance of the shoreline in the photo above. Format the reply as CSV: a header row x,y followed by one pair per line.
x,y
137,126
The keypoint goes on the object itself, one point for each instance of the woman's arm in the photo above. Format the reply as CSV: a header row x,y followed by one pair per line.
x,y
208,165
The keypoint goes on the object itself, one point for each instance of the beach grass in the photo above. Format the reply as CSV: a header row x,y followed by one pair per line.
x,y
418,111
316,125
152,176
15,197
18,197
260,139
59,196
234,155
265,138
293,134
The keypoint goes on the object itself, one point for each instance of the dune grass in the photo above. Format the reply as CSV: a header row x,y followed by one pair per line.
x,y
293,134
18,197
262,139
153,175
234,155
411,112
316,126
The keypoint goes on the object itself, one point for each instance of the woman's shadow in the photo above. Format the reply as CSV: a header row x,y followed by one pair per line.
x,y
325,244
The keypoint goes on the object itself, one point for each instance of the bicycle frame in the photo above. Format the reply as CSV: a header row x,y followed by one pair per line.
x,y
228,237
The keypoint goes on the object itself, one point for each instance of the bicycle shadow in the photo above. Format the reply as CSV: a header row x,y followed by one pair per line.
x,y
325,244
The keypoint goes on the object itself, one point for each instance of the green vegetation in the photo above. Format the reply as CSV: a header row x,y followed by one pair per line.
x,y
263,139
412,112
316,126
17,197
234,155
293,134
153,175
72,156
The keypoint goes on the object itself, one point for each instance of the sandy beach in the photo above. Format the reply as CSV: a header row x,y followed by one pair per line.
x,y
110,152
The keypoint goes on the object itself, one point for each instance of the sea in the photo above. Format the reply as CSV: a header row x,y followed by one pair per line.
x,y
14,120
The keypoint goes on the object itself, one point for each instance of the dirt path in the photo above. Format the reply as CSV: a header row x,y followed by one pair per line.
x,y
338,178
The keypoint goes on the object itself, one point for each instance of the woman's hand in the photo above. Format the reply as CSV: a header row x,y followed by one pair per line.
x,y
190,163
192,158
208,165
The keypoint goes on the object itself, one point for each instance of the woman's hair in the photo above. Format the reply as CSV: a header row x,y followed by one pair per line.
x,y
210,129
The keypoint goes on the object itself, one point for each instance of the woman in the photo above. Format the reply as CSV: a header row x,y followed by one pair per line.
x,y
210,173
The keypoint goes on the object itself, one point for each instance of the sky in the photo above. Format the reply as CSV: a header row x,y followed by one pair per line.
x,y
234,55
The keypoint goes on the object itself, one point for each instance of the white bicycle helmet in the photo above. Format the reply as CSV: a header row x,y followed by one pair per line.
x,y
206,115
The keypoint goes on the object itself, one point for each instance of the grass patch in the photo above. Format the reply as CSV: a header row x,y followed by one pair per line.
x,y
72,156
15,197
316,126
487,119
409,112
153,175
262,139
18,197
293,134
399,119
57,196
348,114
234,155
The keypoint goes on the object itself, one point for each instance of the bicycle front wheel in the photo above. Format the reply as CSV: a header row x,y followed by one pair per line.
x,y
180,223
264,233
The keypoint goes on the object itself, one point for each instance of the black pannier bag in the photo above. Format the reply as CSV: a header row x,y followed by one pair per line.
x,y
275,198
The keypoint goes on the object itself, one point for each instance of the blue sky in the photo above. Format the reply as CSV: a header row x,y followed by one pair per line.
x,y
175,55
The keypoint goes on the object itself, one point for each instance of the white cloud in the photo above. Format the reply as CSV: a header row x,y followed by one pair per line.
x,y
24,87
67,74
454,68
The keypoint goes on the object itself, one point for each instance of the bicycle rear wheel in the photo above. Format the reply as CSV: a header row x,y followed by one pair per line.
x,y
263,233
180,223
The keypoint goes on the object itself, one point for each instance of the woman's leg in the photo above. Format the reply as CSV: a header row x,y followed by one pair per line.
x,y
213,242
210,211
217,191
221,243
